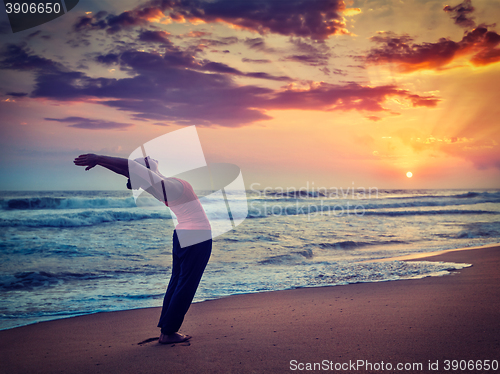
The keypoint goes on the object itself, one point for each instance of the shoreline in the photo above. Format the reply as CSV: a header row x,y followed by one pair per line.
x,y
410,257
421,321
420,255
414,256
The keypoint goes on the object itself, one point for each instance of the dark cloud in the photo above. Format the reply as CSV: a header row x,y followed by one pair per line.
x,y
178,58
33,34
219,67
38,33
480,46
357,66
174,57
312,54
128,19
310,48
307,59
221,42
262,75
140,16
87,23
325,70
162,89
258,44
339,72
19,57
315,19
108,59
178,88
17,94
256,61
197,34
91,124
149,36
461,14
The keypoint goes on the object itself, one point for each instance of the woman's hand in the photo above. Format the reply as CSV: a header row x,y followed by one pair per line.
x,y
89,160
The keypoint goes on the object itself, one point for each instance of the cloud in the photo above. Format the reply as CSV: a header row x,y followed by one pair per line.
x,y
315,19
33,34
108,59
140,16
95,22
91,124
313,54
17,94
339,72
155,37
220,42
460,13
175,57
479,47
351,96
262,61
197,34
178,88
258,44
482,152
19,57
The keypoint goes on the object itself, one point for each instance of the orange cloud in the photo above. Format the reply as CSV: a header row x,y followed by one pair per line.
x,y
479,46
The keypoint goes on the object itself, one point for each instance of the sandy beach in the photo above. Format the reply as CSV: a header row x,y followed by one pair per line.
x,y
364,327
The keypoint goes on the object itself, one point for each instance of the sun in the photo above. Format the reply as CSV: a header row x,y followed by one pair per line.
x,y
409,174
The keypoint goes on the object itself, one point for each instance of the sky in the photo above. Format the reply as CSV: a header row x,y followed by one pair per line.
x,y
297,93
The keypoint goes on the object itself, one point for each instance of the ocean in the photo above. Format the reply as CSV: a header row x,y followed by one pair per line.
x,y
68,253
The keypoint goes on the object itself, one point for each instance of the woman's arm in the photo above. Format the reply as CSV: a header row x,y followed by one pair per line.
x,y
149,182
116,164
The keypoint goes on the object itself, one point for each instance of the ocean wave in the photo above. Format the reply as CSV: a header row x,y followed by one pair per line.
x,y
29,280
382,272
36,203
86,218
34,279
338,210
372,204
429,212
288,259
349,244
296,194
469,198
358,193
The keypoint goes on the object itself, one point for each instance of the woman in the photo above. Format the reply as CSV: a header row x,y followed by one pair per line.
x,y
192,242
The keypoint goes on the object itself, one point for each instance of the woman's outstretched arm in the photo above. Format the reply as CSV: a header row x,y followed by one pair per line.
x,y
116,164
173,188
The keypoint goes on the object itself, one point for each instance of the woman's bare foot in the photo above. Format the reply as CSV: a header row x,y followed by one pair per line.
x,y
173,338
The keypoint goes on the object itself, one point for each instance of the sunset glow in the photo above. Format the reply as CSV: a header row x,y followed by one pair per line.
x,y
364,92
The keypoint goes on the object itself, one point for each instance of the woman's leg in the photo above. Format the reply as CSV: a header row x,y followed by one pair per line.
x,y
174,278
190,263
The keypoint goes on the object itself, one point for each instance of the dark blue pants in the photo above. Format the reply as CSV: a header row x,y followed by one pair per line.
x,y
187,268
